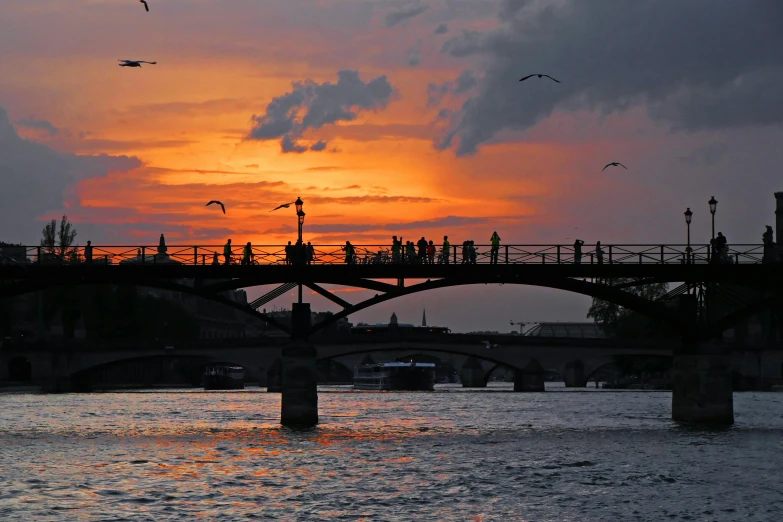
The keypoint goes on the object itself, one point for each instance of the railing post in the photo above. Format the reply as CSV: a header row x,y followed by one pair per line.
x,y
506,254
195,255
39,255
640,258
662,261
143,254
610,254
455,254
543,258
558,254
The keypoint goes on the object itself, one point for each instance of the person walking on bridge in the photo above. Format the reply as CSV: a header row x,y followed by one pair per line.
x,y
349,251
493,255
599,253
422,250
445,252
248,255
310,253
769,248
227,252
88,253
578,251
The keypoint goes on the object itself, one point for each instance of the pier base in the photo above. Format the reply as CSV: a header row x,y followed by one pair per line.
x,y
574,375
472,374
274,377
299,405
530,378
702,390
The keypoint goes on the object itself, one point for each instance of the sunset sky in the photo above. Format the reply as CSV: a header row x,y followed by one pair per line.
x,y
393,117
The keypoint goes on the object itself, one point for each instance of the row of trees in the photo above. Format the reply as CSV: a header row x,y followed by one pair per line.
x,y
617,321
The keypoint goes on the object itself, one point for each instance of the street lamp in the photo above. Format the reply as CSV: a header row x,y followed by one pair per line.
x,y
688,216
300,214
713,207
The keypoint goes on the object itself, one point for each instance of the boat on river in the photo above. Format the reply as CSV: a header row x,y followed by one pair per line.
x,y
397,376
224,377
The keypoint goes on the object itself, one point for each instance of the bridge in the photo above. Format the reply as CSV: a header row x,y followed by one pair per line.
x,y
744,280
575,359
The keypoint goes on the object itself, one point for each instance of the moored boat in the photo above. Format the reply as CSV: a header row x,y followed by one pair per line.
x,y
399,376
224,377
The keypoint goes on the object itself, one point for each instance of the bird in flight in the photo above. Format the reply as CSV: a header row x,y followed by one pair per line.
x,y
133,63
284,205
614,164
540,76
219,203
146,7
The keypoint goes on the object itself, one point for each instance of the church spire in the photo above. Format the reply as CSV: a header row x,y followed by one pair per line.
x,y
424,318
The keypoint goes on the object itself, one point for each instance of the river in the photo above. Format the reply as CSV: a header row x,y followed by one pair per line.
x,y
462,455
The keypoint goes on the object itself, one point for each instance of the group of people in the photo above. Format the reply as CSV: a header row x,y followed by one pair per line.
x,y
426,252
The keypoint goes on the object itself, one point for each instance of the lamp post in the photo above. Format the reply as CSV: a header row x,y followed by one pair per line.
x,y
713,207
300,215
688,215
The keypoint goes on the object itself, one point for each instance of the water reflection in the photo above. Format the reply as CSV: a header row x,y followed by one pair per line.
x,y
448,455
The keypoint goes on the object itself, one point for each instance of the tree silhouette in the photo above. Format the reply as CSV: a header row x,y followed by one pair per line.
x,y
58,240
617,321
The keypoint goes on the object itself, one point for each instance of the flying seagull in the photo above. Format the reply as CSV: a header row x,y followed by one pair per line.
x,y
219,203
614,164
540,76
284,205
146,7
133,63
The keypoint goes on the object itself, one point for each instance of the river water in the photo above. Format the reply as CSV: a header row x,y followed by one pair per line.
x,y
563,455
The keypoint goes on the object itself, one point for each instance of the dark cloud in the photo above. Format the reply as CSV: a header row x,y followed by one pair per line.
x,y
37,179
708,155
696,65
318,146
442,29
444,222
395,17
414,55
463,83
354,200
39,125
311,105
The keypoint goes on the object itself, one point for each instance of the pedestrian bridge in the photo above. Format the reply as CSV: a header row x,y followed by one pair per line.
x,y
187,269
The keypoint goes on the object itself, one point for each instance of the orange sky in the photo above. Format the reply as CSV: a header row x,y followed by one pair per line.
x,y
186,120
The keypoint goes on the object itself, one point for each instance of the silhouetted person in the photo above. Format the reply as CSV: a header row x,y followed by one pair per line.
x,y
215,259
226,252
349,252
396,249
599,253
578,251
465,252
721,248
769,246
88,253
422,250
288,253
247,254
431,252
446,251
493,254
310,253
410,252
472,251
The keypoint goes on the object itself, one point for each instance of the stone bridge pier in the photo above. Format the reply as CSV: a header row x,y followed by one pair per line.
x,y
299,384
702,391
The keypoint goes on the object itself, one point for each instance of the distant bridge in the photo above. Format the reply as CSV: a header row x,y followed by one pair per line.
x,y
577,360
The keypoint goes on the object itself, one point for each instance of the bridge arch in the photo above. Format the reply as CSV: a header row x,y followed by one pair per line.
x,y
506,275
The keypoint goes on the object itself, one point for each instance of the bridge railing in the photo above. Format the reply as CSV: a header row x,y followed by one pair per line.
x,y
382,254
